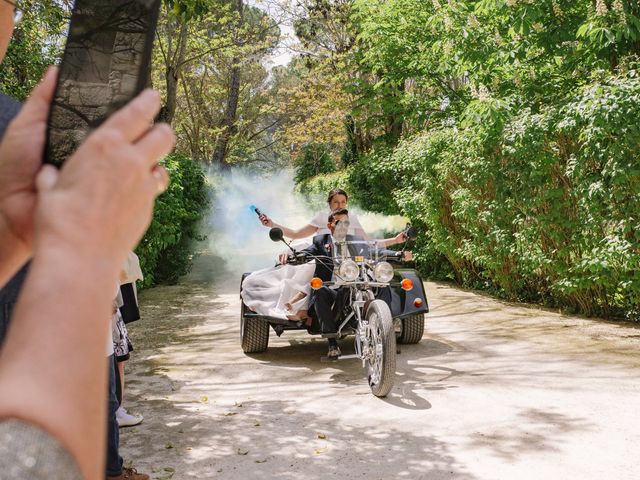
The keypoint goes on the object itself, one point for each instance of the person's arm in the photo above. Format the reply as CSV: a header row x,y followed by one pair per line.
x,y
387,242
88,215
40,386
303,232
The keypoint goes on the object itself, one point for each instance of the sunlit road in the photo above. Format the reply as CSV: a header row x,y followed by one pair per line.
x,y
493,391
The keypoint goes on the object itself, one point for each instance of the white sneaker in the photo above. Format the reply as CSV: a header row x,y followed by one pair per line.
x,y
125,419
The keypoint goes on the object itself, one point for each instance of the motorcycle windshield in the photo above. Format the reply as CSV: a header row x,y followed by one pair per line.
x,y
357,249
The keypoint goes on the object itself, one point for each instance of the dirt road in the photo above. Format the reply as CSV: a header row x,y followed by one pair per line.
x,y
493,391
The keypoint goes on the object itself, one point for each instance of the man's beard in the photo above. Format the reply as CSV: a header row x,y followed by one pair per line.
x,y
340,234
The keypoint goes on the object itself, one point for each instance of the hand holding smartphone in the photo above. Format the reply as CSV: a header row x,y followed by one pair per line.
x,y
106,63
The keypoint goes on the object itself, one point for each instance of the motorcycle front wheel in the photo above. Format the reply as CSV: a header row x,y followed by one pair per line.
x,y
381,364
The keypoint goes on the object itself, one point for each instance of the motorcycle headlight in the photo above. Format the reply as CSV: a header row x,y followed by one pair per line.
x,y
349,271
383,272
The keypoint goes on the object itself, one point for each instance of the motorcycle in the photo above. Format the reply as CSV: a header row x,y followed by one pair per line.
x,y
381,306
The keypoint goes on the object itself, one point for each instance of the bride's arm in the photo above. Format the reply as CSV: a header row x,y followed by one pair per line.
x,y
303,232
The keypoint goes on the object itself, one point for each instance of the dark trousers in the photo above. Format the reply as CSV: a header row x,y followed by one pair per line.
x,y
327,304
114,460
118,382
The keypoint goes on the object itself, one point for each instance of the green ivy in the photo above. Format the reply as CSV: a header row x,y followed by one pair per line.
x,y
164,251
536,206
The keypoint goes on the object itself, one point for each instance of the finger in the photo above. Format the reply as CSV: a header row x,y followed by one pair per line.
x,y
46,178
161,178
36,108
156,143
135,118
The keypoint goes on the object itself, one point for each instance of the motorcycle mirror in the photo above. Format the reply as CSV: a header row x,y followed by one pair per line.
x,y
276,234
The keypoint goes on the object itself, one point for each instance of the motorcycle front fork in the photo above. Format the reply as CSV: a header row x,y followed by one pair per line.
x,y
362,344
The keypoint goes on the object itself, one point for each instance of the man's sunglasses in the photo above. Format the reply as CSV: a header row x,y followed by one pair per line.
x,y
17,12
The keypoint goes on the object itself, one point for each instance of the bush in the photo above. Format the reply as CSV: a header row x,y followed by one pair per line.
x,y
542,207
164,251
322,184
315,160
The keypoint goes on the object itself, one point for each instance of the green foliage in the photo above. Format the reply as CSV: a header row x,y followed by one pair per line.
x,y
314,160
321,184
506,131
164,251
350,149
37,43
547,210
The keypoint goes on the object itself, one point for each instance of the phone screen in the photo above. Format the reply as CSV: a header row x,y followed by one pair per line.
x,y
105,64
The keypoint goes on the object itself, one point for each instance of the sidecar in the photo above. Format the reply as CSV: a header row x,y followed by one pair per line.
x,y
408,308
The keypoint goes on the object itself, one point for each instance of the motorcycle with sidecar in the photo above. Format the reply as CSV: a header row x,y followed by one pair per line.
x,y
382,306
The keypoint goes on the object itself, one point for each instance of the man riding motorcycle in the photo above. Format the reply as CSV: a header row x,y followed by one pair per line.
x,y
326,302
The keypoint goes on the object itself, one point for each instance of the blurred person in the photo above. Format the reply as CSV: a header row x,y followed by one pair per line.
x,y
115,464
77,225
8,110
128,312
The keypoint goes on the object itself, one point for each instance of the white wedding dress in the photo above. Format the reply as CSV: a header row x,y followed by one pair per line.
x,y
267,291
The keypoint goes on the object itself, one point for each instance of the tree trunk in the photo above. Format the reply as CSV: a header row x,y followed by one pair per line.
x,y
172,74
395,120
228,124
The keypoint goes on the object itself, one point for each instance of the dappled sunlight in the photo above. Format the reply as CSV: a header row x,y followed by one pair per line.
x,y
489,378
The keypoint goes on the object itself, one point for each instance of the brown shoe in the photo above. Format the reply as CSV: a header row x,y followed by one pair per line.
x,y
130,474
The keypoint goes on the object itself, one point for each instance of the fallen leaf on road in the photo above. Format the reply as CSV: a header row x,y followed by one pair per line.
x,y
168,445
264,460
242,451
257,424
204,399
229,414
320,451
322,436
238,404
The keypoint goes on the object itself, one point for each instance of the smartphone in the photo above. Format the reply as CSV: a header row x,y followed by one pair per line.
x,y
106,63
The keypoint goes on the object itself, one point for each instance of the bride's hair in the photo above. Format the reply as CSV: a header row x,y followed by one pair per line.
x,y
337,191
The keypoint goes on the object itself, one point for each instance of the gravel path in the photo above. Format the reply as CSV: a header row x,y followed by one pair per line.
x,y
493,391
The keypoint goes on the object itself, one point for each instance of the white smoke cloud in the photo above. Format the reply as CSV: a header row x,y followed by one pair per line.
x,y
236,235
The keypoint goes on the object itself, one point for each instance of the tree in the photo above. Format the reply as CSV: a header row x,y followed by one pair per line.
x,y
228,123
37,43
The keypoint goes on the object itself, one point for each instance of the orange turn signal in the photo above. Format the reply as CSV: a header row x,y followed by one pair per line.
x,y
316,283
417,302
406,284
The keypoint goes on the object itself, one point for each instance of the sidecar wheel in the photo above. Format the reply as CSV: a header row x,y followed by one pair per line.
x,y
381,366
254,333
412,329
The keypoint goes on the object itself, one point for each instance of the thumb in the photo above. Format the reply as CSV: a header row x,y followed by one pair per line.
x,y
47,178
